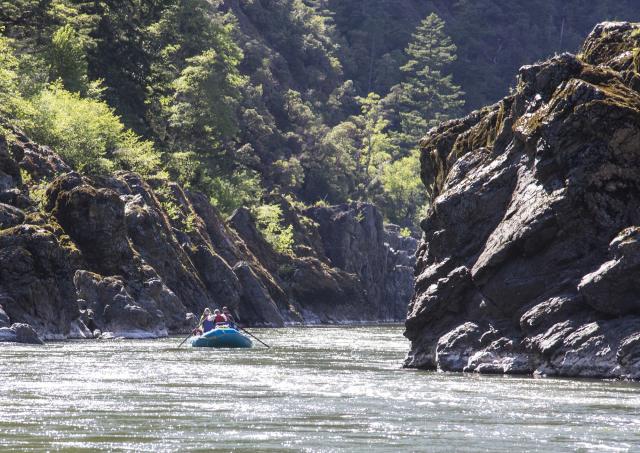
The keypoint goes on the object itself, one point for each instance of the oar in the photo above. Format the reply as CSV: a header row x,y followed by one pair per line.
x,y
252,335
191,334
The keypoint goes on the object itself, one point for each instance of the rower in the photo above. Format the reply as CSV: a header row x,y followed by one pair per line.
x,y
227,314
207,323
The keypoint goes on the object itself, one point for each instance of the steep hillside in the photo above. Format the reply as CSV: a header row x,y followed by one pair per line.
x,y
529,261
323,100
120,255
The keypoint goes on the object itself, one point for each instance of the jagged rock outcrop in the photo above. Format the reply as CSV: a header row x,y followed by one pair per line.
x,y
344,268
121,256
529,262
355,240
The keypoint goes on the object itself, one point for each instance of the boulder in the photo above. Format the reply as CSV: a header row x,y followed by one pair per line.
x,y
219,279
455,347
329,295
614,287
155,238
7,335
355,241
40,162
26,334
19,333
115,310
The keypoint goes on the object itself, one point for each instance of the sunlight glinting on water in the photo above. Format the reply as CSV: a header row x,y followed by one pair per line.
x,y
316,389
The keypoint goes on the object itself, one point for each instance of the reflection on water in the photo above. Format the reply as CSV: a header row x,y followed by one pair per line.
x,y
316,389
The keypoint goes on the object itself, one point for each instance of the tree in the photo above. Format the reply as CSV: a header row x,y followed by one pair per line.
x,y
11,101
376,147
404,193
428,95
202,112
68,60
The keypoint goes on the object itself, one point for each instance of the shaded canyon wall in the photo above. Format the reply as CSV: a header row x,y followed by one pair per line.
x,y
530,261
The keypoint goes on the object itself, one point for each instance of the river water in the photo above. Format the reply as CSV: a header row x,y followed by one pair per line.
x,y
316,389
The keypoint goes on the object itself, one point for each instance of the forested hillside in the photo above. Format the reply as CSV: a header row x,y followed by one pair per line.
x,y
321,100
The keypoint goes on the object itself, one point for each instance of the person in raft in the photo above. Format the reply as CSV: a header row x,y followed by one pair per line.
x,y
218,317
227,314
207,321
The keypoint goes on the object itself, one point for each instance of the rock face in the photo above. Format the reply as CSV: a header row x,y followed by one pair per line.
x,y
354,240
347,268
531,251
121,256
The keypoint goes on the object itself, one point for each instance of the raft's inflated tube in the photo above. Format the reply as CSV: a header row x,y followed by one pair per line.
x,y
222,337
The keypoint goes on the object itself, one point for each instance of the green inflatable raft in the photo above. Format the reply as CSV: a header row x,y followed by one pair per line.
x,y
223,336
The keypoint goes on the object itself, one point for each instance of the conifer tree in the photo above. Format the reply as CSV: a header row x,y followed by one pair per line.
x,y
428,95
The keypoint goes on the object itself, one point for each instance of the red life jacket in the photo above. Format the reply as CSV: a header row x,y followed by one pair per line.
x,y
220,318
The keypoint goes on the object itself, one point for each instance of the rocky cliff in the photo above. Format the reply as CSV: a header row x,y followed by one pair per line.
x,y
530,261
122,256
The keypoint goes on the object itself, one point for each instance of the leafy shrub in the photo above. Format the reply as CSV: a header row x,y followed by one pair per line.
x,y
270,223
86,133
11,102
242,188
37,190
190,223
168,203
403,189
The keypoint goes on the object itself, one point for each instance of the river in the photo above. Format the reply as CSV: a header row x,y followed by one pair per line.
x,y
316,389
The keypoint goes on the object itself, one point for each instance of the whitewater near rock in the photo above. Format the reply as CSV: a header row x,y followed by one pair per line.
x,y
531,255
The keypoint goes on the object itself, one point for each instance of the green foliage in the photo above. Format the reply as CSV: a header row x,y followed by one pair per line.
x,y
376,147
172,210
37,190
86,133
193,82
403,190
494,37
68,59
204,99
290,173
405,232
326,101
11,101
270,223
169,204
427,95
242,188
190,222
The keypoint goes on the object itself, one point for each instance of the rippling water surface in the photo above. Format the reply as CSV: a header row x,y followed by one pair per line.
x,y
316,389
